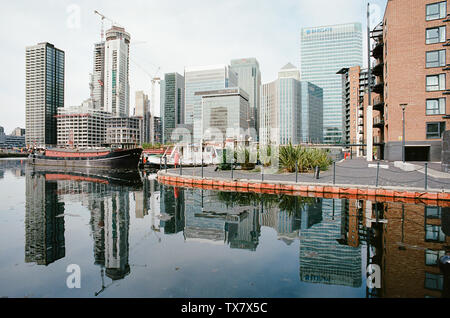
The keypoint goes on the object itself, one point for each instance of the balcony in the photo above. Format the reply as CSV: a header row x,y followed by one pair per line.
x,y
377,50
447,19
378,140
378,69
378,104
378,122
379,88
446,92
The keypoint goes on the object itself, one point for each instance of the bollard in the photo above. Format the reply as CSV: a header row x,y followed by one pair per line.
x,y
181,167
316,172
165,163
296,171
232,163
426,175
378,172
202,163
334,172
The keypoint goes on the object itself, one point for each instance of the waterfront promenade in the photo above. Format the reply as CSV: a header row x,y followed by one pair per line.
x,y
349,177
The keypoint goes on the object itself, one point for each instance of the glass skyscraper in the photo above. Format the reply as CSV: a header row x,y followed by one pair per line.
x,y
323,52
44,92
249,79
203,79
172,112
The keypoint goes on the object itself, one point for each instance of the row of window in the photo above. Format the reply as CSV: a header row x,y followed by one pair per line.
x,y
435,106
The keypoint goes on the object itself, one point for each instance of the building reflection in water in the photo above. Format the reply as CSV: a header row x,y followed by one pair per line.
x,y
44,221
337,237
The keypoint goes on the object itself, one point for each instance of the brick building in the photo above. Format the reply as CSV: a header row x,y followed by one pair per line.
x,y
411,68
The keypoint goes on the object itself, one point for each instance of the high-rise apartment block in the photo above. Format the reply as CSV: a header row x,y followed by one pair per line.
x,y
291,110
323,52
204,78
354,93
172,114
44,92
411,67
116,84
249,79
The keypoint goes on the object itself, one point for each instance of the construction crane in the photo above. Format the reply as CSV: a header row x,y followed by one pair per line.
x,y
103,18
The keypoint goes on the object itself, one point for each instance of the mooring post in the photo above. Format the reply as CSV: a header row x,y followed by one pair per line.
x,y
378,173
334,172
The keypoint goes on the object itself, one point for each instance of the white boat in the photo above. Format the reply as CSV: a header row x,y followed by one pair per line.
x,y
186,155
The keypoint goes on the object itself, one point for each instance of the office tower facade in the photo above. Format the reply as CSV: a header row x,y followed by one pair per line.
x,y
98,76
291,110
155,100
323,52
226,111
411,67
142,110
172,112
116,84
249,79
44,92
203,78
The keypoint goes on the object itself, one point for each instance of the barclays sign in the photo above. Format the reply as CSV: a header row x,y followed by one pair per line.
x,y
318,30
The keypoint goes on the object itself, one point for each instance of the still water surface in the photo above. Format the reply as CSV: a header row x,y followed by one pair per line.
x,y
133,237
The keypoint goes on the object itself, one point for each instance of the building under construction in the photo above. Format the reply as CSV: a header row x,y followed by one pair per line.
x,y
81,126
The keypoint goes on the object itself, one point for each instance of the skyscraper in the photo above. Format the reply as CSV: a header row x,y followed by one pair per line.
x,y
249,79
44,92
155,99
323,52
98,76
142,109
116,85
291,110
172,113
203,78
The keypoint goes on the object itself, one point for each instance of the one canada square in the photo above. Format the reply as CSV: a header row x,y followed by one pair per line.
x,y
323,52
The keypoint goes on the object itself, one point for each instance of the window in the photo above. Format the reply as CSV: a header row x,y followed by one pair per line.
x,y
435,130
436,10
435,82
431,257
436,58
433,233
435,35
435,106
434,281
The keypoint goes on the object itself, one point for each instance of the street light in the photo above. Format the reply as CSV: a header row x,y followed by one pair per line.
x,y
403,106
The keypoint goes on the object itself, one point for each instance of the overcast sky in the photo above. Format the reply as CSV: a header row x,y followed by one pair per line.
x,y
169,34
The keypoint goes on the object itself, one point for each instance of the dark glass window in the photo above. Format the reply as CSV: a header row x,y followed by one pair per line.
x,y
435,130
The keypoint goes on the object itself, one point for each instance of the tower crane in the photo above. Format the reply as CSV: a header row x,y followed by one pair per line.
x,y
103,18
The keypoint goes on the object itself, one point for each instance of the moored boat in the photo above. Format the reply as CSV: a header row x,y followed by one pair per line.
x,y
95,158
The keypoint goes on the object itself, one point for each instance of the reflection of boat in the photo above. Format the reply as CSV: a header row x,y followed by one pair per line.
x,y
187,155
121,177
99,158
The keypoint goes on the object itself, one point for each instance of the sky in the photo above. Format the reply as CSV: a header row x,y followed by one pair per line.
x,y
168,36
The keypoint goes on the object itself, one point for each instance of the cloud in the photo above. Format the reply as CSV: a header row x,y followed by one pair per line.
x,y
177,33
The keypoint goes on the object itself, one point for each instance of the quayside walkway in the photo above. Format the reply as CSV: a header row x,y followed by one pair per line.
x,y
354,177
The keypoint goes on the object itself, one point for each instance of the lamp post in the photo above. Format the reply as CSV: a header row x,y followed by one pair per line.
x,y
403,106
